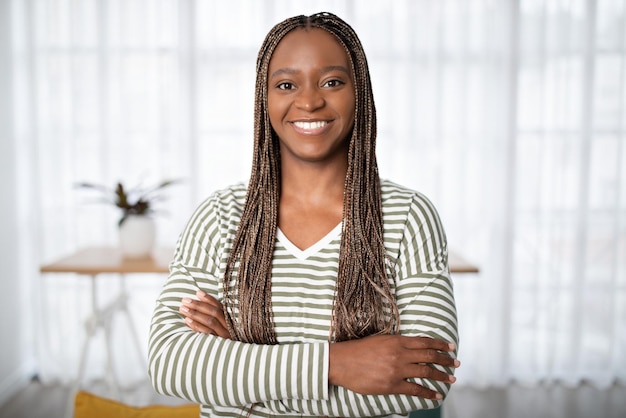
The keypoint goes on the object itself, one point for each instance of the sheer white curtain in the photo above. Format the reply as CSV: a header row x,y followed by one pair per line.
x,y
509,115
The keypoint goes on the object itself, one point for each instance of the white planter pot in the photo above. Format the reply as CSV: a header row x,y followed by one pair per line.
x,y
137,236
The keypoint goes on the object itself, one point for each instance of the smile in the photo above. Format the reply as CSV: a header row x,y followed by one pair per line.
x,y
310,127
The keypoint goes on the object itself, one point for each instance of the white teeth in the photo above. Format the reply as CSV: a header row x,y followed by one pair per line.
x,y
310,125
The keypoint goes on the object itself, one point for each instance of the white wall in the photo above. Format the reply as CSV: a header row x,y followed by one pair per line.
x,y
16,359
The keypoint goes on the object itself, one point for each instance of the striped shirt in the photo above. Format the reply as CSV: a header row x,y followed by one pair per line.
x,y
234,379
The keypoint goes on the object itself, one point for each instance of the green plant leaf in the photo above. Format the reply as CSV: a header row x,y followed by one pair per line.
x,y
133,201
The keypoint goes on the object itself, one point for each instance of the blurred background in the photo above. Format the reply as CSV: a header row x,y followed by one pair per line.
x,y
509,114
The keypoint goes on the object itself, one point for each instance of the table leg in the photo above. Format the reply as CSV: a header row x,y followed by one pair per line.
x,y
110,372
131,324
98,319
102,318
91,327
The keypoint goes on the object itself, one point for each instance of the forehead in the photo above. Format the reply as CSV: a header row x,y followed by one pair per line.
x,y
309,45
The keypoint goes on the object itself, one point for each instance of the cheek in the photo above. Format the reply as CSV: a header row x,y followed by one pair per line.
x,y
273,120
350,109
273,115
349,106
275,111
353,112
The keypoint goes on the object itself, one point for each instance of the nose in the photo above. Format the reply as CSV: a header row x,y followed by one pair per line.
x,y
309,99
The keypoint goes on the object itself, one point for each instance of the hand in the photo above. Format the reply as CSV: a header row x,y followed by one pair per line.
x,y
380,364
205,315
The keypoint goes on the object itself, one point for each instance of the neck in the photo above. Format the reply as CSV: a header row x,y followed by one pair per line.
x,y
311,201
313,182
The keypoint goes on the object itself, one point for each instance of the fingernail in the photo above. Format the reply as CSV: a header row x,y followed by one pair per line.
x,y
452,379
200,293
451,346
457,363
184,309
186,301
439,396
188,320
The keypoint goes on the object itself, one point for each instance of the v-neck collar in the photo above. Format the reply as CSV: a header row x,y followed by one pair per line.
x,y
313,249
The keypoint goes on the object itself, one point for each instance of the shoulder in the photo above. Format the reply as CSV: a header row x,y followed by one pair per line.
x,y
232,195
224,201
213,223
398,199
409,215
414,230
220,210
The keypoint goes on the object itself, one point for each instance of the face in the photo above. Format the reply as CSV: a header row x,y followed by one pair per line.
x,y
311,100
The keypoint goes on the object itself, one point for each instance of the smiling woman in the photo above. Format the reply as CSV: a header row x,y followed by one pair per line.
x,y
318,289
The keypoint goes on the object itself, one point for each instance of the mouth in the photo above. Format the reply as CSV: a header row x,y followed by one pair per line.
x,y
310,127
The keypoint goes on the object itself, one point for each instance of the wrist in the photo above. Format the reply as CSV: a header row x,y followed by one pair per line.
x,y
335,363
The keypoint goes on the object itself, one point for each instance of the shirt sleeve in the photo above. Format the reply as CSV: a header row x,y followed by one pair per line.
x,y
425,292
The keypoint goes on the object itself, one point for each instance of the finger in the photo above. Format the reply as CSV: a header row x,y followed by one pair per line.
x,y
188,318
205,308
413,389
187,314
218,311
205,297
204,323
211,323
433,357
215,310
425,371
201,306
197,326
427,342
207,323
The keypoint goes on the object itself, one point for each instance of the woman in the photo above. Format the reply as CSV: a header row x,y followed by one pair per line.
x,y
334,284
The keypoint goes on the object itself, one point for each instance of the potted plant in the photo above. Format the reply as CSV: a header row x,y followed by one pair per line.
x,y
137,231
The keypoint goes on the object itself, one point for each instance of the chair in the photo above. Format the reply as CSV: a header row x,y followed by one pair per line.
x,y
88,405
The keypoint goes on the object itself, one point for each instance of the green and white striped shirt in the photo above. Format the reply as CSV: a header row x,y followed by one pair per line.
x,y
291,379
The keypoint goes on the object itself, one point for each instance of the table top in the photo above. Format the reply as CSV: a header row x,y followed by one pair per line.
x,y
96,260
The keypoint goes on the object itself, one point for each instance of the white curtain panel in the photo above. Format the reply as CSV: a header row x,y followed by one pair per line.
x,y
509,115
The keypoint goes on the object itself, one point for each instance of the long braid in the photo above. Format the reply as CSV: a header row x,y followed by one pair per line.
x,y
364,299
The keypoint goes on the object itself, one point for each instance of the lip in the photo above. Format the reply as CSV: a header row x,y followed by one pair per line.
x,y
311,127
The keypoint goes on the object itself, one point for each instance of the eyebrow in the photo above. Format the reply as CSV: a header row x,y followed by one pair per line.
x,y
323,70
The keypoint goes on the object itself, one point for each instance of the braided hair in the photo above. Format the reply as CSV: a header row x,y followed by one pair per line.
x,y
364,301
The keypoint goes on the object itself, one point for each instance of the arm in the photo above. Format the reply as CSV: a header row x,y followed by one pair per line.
x,y
207,369
425,299
211,370
361,362
427,309
354,364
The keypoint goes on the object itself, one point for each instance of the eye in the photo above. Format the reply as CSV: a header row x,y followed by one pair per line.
x,y
285,86
333,83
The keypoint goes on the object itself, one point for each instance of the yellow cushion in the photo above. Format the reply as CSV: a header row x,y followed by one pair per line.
x,y
88,405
